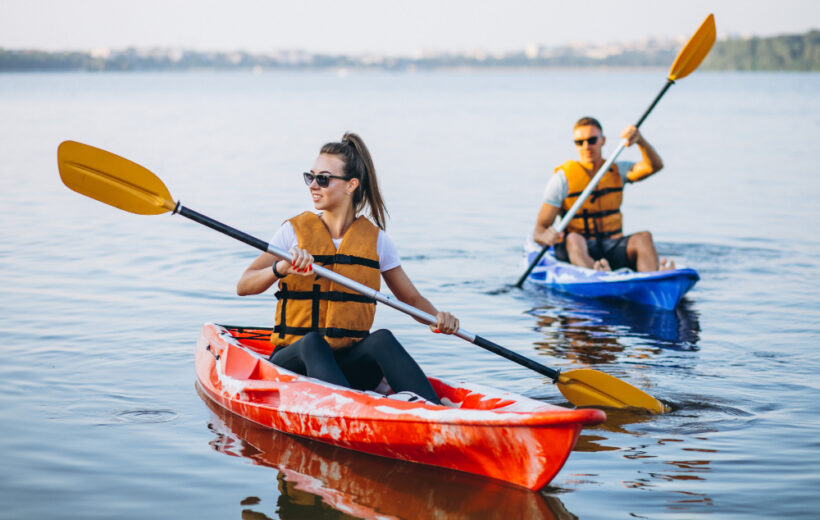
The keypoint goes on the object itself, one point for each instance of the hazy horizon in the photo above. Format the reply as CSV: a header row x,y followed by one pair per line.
x,y
369,27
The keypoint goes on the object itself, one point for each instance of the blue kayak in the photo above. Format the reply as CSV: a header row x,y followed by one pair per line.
x,y
662,289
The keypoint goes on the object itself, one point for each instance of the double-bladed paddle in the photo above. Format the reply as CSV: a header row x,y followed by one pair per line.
x,y
687,61
126,185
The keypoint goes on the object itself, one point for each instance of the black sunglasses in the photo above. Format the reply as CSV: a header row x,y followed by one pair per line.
x,y
323,179
591,140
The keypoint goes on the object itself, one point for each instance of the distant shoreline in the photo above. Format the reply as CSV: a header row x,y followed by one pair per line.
x,y
342,72
779,53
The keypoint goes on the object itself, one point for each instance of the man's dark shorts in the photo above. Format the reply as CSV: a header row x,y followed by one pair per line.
x,y
613,249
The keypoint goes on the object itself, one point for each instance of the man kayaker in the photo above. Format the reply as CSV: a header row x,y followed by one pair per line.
x,y
594,238
323,329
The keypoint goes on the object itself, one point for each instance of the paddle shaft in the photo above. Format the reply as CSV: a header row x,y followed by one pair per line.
x,y
366,291
591,186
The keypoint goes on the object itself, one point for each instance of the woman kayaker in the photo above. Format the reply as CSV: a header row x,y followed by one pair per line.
x,y
322,328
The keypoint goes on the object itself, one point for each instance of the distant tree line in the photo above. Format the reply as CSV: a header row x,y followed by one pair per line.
x,y
11,60
136,60
797,52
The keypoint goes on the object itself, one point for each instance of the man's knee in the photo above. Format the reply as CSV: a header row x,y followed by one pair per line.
x,y
576,242
641,239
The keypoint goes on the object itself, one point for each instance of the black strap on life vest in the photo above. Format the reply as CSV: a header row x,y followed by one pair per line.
x,y
345,260
598,236
330,332
316,295
598,193
283,312
314,314
596,214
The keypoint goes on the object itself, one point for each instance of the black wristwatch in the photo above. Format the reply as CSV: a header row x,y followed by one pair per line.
x,y
275,272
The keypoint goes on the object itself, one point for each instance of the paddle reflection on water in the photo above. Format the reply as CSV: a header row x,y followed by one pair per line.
x,y
321,481
617,420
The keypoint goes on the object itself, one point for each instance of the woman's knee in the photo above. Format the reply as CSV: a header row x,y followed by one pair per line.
x,y
312,336
383,335
313,344
382,343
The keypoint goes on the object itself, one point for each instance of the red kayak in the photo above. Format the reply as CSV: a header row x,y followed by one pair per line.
x,y
477,430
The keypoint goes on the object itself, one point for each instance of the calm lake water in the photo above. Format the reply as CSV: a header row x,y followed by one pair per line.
x,y
101,309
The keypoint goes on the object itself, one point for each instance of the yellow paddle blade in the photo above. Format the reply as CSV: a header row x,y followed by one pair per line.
x,y
586,387
695,50
111,179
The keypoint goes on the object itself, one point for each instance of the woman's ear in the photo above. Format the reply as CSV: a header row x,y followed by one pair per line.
x,y
352,184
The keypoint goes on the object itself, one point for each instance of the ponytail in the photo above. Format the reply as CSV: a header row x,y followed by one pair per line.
x,y
359,165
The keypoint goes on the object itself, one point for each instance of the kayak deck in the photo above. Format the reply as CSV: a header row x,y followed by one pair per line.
x,y
478,430
662,289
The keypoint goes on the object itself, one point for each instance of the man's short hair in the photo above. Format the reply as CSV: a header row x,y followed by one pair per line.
x,y
588,121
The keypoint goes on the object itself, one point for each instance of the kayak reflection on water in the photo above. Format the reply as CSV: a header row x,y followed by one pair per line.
x,y
321,481
594,332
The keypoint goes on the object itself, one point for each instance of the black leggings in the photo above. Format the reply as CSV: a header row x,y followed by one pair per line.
x,y
361,366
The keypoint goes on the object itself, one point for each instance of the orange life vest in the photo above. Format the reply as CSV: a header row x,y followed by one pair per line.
x,y
313,303
600,214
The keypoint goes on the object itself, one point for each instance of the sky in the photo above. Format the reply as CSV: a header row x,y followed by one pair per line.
x,y
384,27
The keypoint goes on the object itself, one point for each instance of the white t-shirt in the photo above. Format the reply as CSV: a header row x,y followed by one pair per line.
x,y
557,187
285,238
